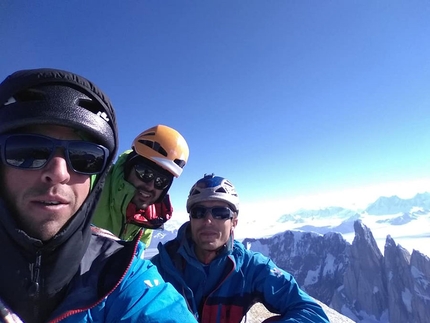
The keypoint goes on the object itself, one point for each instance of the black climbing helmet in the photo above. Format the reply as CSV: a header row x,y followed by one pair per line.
x,y
52,96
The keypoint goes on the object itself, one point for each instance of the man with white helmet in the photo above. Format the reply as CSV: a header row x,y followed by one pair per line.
x,y
135,198
217,275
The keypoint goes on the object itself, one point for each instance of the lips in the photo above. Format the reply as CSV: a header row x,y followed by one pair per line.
x,y
51,200
145,194
207,233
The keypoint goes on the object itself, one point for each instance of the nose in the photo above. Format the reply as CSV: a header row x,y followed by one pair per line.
x,y
208,216
149,185
56,170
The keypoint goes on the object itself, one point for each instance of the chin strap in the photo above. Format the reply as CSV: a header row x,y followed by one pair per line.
x,y
153,217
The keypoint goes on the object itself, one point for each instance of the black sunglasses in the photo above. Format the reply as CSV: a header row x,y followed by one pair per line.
x,y
147,174
218,212
29,151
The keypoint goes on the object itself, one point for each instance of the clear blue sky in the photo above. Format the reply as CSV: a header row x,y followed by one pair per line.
x,y
284,98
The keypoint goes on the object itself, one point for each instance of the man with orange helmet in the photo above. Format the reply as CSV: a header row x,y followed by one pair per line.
x,y
135,197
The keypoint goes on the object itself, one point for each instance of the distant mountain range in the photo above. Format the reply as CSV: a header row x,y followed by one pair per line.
x,y
394,204
349,259
406,220
355,279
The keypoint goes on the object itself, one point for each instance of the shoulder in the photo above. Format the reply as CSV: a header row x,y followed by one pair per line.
x,y
166,252
117,170
100,232
246,257
142,269
142,295
122,158
116,254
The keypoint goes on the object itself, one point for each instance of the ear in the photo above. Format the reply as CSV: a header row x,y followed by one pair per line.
x,y
234,222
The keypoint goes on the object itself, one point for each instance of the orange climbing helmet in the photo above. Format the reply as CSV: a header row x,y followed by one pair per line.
x,y
164,146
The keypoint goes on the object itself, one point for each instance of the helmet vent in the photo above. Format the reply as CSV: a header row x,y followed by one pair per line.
x,y
194,191
29,95
155,146
89,105
180,162
213,188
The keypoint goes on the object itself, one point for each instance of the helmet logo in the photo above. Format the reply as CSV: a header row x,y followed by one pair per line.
x,y
103,115
11,100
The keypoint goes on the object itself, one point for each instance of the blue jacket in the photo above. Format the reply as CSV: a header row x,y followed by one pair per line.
x,y
116,284
236,279
139,295
112,281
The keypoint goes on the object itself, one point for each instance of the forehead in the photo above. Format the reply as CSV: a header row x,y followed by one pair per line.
x,y
59,132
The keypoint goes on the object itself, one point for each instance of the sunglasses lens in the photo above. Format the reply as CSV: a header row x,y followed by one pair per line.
x,y
27,151
198,212
218,212
33,152
86,157
147,174
221,213
161,182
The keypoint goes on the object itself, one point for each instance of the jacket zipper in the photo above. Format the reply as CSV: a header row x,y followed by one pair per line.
x,y
76,311
34,290
218,286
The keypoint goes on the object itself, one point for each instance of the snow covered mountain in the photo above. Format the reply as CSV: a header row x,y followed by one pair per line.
x,y
369,265
355,279
394,204
405,220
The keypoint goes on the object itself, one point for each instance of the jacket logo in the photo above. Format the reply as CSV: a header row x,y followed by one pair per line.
x,y
151,283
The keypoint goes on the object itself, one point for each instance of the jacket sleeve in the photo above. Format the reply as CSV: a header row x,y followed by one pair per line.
x,y
281,294
143,296
114,198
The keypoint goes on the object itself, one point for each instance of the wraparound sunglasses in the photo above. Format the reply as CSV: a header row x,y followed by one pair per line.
x,y
29,151
147,174
218,212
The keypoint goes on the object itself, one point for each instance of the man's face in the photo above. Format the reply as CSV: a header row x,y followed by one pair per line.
x,y
45,199
145,194
210,234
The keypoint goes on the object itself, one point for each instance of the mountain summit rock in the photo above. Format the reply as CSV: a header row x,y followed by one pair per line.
x,y
356,279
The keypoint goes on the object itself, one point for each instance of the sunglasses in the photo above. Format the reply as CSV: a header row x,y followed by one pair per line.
x,y
29,151
147,174
218,212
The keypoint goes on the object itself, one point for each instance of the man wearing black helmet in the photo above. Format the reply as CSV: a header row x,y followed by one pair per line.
x,y
58,138
218,276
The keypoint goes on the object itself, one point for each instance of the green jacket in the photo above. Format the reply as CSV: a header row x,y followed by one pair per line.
x,y
111,209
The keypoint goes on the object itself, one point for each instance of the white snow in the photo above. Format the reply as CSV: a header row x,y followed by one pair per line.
x,y
411,230
329,265
421,280
407,299
311,277
412,235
